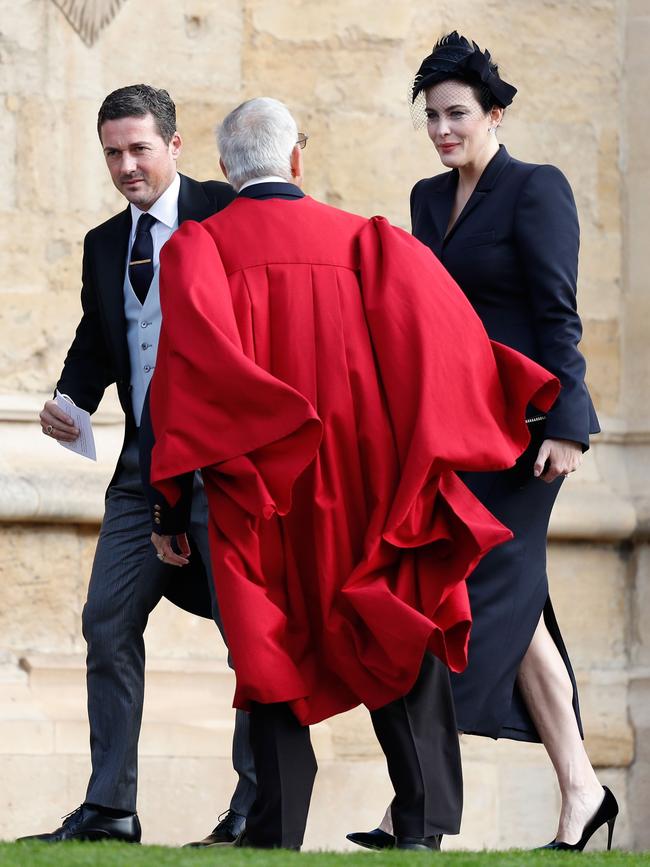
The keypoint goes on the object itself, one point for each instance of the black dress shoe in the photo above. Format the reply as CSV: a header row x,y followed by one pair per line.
x,y
607,812
229,826
419,844
375,839
87,823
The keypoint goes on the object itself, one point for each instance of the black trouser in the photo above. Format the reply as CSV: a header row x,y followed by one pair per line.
x,y
126,584
418,736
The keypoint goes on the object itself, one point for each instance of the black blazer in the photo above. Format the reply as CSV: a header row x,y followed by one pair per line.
x,y
514,252
99,353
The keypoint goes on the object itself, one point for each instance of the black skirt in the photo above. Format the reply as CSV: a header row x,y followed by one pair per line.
x,y
508,593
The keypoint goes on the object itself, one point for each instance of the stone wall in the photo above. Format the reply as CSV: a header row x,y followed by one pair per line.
x,y
343,68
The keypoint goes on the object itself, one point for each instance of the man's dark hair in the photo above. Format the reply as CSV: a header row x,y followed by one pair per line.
x,y
138,100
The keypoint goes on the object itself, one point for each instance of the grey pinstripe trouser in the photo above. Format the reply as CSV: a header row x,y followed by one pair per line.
x,y
126,584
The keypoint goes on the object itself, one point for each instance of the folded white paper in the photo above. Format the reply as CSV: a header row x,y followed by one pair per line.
x,y
85,442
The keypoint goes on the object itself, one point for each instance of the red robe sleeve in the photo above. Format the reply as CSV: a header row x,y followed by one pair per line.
x,y
456,401
210,405
475,390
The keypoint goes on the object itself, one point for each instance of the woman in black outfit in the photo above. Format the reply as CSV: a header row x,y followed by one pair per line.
x,y
507,231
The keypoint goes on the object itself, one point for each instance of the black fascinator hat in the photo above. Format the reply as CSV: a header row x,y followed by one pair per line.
x,y
453,56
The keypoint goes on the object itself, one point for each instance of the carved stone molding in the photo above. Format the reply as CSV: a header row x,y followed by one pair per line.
x,y
89,17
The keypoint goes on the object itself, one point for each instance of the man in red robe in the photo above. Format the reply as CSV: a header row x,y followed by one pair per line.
x,y
329,378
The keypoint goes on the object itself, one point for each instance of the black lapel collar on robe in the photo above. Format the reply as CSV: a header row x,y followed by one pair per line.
x,y
485,183
272,190
193,203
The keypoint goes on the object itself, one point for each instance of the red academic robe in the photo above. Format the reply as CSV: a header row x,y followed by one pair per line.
x,y
329,378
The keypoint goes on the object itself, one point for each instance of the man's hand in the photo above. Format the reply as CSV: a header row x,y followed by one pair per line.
x,y
563,457
165,552
57,424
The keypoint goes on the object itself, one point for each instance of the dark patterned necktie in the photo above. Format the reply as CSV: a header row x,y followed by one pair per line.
x,y
141,264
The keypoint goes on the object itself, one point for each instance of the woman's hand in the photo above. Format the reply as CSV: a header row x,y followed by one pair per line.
x,y
165,552
563,456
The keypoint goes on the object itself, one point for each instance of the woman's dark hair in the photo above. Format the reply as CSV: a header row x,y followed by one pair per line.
x,y
482,93
454,57
138,100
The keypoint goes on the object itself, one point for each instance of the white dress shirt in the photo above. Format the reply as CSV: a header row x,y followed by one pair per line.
x,y
165,210
267,179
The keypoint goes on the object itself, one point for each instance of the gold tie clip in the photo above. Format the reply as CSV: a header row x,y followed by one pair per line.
x,y
139,262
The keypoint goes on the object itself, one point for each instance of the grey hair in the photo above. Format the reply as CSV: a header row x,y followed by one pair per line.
x,y
256,139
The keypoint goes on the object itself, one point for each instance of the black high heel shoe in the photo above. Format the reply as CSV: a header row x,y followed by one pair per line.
x,y
607,812
375,839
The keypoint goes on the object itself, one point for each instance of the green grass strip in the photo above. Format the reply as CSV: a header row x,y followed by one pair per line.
x,y
124,855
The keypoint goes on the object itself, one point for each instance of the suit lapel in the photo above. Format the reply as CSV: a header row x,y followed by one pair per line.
x,y
474,200
440,204
111,265
485,183
193,203
110,257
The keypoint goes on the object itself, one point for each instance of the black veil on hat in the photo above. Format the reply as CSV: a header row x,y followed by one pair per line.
x,y
453,56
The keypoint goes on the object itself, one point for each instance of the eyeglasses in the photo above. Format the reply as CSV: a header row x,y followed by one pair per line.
x,y
302,140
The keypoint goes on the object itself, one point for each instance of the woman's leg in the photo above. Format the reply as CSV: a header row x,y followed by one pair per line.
x,y
386,823
547,690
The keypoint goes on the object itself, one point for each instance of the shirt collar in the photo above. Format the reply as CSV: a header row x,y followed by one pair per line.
x,y
264,180
164,209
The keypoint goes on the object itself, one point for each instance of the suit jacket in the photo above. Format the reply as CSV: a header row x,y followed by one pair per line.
x,y
99,353
514,252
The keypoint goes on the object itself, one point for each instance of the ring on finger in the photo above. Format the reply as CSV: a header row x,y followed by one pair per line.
x,y
49,430
160,556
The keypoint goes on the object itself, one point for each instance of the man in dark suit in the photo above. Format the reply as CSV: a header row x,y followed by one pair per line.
x,y
116,341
